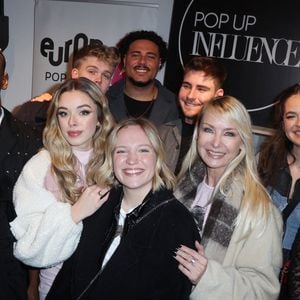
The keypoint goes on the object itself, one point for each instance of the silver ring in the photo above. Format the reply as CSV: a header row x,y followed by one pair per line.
x,y
192,261
100,193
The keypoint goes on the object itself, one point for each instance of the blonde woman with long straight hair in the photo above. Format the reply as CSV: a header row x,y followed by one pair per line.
x,y
240,252
61,185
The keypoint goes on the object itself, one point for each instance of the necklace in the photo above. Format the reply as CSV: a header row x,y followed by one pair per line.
x,y
137,108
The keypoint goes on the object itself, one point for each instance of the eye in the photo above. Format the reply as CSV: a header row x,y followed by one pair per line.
x,y
144,150
230,134
85,112
107,76
135,55
207,129
61,114
185,86
290,116
151,56
119,151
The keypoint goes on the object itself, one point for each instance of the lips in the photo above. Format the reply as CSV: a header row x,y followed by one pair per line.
x,y
74,133
191,103
141,69
133,172
215,154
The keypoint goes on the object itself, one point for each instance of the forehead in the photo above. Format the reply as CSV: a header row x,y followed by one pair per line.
x,y
199,78
217,120
132,134
93,61
292,103
74,98
143,46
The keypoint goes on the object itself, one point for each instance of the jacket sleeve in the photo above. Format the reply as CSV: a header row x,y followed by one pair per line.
x,y
293,282
250,268
43,228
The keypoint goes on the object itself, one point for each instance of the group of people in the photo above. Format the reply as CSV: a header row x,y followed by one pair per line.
x,y
137,195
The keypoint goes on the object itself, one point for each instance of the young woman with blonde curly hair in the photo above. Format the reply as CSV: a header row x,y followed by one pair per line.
x,y
61,185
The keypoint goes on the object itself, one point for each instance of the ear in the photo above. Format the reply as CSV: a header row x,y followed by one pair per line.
x,y
219,93
4,83
124,62
74,73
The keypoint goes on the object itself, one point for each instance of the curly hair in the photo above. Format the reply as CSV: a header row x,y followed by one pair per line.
x,y
152,36
163,176
63,161
274,151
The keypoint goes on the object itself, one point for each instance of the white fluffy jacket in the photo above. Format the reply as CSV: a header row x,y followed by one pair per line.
x,y
43,228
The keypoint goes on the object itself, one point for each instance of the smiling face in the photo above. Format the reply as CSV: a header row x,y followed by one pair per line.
x,y
95,70
134,160
291,119
77,119
218,143
196,89
141,62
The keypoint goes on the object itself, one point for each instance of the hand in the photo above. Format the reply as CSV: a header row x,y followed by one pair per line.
x,y
192,263
90,201
42,98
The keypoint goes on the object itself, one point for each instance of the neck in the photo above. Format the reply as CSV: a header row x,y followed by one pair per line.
x,y
296,152
212,177
144,93
189,120
132,199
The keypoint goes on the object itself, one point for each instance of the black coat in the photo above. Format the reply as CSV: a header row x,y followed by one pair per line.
x,y
143,266
18,144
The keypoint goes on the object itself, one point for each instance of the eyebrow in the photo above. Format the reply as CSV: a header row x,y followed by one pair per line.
x,y
80,106
228,128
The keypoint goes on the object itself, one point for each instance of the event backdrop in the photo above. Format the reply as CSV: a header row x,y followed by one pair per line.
x,y
61,27
257,41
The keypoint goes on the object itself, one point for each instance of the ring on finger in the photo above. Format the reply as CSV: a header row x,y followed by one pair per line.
x,y
192,261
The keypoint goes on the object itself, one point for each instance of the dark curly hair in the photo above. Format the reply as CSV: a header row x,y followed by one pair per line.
x,y
152,36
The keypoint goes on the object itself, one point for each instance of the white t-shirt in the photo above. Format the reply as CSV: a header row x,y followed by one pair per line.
x,y
201,206
116,241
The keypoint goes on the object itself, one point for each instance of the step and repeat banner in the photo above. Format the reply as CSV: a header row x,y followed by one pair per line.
x,y
62,27
258,42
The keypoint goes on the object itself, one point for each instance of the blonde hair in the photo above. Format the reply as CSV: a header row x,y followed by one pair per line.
x,y
163,176
255,204
63,161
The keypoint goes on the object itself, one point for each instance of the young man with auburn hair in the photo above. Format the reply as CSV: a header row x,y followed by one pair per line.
x,y
202,82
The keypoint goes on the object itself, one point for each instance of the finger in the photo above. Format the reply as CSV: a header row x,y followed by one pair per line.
x,y
187,251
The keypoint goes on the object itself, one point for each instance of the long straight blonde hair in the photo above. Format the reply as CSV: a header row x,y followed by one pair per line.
x,y
255,204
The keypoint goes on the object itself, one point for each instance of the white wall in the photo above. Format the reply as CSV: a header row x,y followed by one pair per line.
x,y
19,53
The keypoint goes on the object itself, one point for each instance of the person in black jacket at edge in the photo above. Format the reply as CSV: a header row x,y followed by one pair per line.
x,y
126,250
18,143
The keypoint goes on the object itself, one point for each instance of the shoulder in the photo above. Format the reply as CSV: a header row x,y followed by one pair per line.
x,y
171,206
39,162
116,89
165,93
164,129
24,133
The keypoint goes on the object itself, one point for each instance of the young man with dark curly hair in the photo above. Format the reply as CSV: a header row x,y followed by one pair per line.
x,y
139,93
